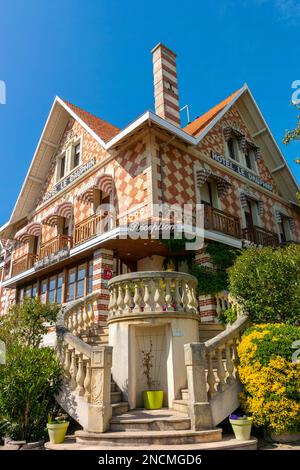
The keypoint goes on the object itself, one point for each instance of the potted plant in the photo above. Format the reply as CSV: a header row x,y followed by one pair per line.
x,y
153,399
57,428
241,426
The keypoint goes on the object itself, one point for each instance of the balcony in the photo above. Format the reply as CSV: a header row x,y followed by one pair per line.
x,y
22,264
93,226
260,236
54,245
220,221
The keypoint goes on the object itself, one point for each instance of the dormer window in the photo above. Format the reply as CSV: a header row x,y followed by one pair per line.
x,y
68,160
62,166
76,156
232,148
250,159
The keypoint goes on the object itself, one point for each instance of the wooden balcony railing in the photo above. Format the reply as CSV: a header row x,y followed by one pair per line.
x,y
92,226
22,264
260,236
54,245
220,221
87,229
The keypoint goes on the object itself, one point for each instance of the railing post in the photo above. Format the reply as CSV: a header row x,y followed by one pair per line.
x,y
100,410
199,407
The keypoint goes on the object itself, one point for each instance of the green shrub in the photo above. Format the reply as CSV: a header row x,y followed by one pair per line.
x,y
267,282
212,281
28,382
25,323
228,316
271,381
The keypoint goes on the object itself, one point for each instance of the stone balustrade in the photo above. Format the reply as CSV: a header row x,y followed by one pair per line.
x,y
152,292
225,300
87,369
212,376
79,316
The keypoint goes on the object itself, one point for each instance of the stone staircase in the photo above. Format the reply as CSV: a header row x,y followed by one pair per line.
x,y
94,400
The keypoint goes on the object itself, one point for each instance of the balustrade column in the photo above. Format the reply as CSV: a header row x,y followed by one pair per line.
x,y
199,408
101,411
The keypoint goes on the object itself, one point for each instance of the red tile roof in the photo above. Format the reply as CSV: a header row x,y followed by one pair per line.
x,y
103,129
197,126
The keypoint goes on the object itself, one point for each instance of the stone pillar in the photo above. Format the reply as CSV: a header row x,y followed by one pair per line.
x,y
199,407
99,409
103,262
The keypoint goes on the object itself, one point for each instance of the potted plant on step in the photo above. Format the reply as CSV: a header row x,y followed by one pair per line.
x,y
57,428
241,426
153,399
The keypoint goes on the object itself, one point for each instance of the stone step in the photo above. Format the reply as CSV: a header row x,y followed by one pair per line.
x,y
116,397
119,408
152,420
185,394
148,438
181,406
227,443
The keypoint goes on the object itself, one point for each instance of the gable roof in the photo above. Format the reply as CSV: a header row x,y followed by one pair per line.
x,y
192,134
103,129
199,124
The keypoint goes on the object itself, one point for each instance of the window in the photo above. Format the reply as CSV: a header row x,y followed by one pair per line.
x,y
90,277
66,223
80,281
52,290
44,291
59,284
250,159
284,229
248,215
209,194
231,146
62,166
29,290
206,194
71,284
76,156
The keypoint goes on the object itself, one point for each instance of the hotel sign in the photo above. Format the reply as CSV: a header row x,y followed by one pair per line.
x,y
52,259
241,171
69,179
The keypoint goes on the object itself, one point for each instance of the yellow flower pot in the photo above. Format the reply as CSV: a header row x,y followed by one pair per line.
x,y
241,428
153,399
57,432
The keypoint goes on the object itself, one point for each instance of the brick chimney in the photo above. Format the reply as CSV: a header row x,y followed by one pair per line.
x,y
165,84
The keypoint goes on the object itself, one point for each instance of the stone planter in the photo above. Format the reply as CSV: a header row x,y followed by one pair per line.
x,y
284,437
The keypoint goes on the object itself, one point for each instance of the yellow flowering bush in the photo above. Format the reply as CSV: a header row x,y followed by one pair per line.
x,y
271,381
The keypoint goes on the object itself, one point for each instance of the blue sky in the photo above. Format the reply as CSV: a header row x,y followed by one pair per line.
x,y
96,54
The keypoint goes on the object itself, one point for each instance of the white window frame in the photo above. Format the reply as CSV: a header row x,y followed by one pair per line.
x,y
236,149
58,165
288,232
257,221
253,161
72,154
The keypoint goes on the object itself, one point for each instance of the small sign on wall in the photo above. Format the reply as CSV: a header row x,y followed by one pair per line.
x,y
107,274
177,333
